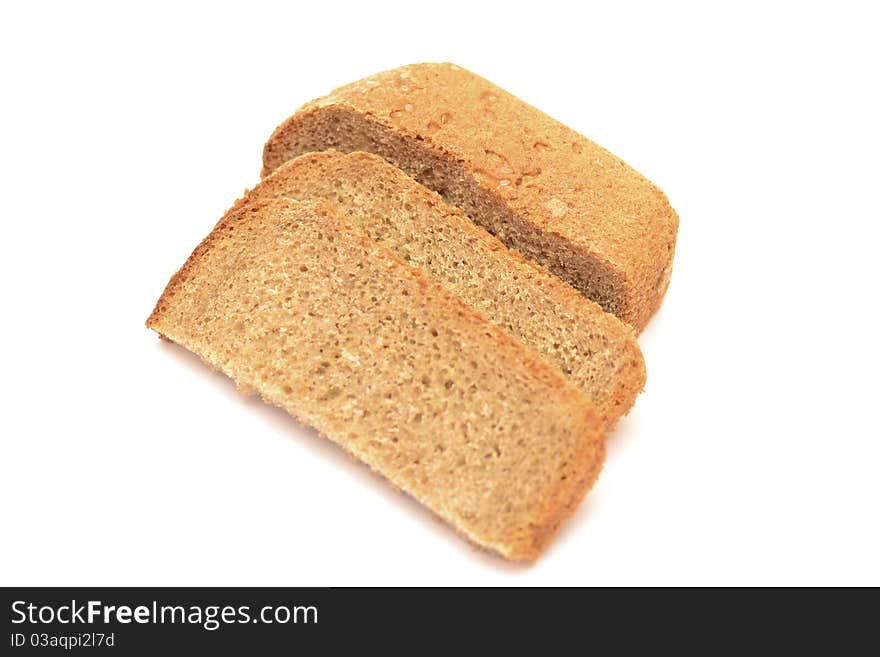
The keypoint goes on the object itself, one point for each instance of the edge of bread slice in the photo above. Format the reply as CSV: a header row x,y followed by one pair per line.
x,y
594,349
539,186
301,306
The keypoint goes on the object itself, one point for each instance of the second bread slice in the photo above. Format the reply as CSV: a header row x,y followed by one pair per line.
x,y
594,349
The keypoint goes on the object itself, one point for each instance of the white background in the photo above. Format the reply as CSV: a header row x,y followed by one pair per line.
x,y
753,456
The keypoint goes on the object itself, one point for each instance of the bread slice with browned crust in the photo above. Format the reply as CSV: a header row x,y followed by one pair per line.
x,y
541,187
291,301
594,349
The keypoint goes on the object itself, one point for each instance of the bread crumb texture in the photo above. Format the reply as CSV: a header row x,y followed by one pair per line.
x,y
303,307
539,186
594,349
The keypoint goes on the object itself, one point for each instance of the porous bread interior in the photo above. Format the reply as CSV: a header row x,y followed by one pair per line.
x,y
594,349
348,131
304,309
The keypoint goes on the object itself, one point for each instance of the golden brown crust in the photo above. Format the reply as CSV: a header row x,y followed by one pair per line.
x,y
177,318
574,194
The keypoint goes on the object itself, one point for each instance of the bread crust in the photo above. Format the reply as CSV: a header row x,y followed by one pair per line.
x,y
180,316
539,186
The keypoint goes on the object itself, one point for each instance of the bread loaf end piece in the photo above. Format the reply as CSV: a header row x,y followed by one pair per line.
x,y
302,307
540,187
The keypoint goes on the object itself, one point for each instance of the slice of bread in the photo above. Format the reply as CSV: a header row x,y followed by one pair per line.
x,y
291,301
594,349
542,188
